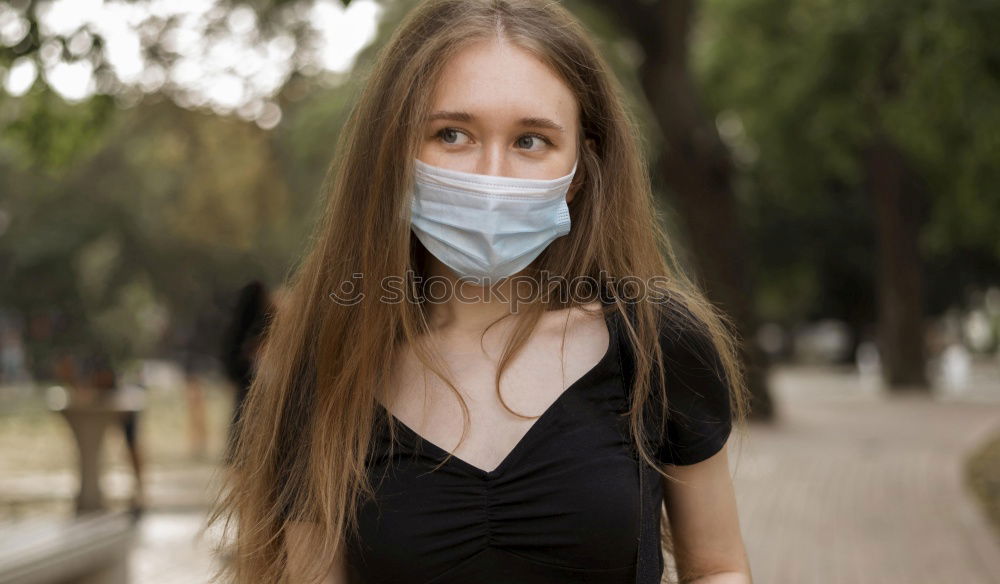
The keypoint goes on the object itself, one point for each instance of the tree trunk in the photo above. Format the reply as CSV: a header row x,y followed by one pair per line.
x,y
695,165
900,282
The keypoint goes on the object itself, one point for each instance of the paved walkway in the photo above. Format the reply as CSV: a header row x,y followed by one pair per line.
x,y
167,553
859,488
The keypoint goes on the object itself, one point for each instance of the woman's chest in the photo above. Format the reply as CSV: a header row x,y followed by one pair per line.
x,y
566,498
534,381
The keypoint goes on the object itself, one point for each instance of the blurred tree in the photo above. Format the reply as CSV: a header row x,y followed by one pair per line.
x,y
886,108
173,210
695,166
125,221
51,132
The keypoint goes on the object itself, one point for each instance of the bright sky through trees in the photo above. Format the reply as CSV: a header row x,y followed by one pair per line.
x,y
209,54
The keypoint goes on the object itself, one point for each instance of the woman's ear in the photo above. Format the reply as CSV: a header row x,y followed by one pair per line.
x,y
579,176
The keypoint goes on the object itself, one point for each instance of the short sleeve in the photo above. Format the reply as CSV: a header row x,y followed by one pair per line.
x,y
699,417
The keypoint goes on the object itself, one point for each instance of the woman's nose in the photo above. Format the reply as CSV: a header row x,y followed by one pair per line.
x,y
492,162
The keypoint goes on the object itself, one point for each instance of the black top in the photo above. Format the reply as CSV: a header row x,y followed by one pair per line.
x,y
568,504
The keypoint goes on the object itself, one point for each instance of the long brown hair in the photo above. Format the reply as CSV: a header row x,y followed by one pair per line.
x,y
312,408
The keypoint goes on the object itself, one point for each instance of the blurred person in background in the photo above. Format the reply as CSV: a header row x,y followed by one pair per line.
x,y
100,374
92,377
196,357
243,338
194,397
12,362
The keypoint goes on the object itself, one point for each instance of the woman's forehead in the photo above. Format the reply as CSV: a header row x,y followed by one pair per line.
x,y
491,80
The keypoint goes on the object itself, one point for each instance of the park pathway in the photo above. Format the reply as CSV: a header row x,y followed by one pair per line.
x,y
853,487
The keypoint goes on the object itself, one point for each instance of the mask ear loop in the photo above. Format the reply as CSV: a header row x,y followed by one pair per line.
x,y
573,174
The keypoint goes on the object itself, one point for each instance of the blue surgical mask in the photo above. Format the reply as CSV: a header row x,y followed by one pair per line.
x,y
485,227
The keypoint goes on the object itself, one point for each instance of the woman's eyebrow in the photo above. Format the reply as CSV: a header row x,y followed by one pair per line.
x,y
466,117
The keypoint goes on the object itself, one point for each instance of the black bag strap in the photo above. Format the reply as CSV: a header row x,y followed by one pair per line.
x,y
648,569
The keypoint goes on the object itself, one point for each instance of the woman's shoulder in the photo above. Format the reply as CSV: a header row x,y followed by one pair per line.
x,y
695,385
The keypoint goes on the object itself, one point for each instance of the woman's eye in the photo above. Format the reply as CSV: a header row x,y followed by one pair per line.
x,y
525,141
453,136
449,135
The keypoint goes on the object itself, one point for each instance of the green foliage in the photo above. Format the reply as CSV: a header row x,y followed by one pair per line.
x,y
48,134
132,222
170,210
810,83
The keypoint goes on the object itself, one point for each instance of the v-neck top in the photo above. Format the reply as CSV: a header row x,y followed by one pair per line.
x,y
571,502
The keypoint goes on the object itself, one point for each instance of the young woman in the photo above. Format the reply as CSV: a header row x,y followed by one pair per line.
x,y
486,369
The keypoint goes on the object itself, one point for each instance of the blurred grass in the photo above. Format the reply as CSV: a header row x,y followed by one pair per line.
x,y
983,477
